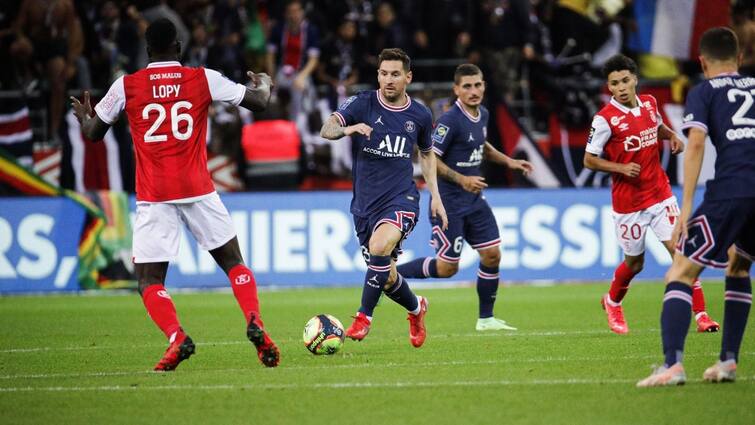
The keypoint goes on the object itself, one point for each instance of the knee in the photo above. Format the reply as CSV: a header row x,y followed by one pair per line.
x,y
446,269
144,283
380,247
490,258
739,266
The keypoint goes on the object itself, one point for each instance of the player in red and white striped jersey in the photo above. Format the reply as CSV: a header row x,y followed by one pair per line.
x,y
166,106
626,133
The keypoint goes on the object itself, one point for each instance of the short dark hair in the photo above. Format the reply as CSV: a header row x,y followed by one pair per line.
x,y
619,63
395,54
720,44
465,70
161,36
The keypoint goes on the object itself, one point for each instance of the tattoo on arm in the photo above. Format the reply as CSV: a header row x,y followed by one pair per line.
x,y
332,129
446,172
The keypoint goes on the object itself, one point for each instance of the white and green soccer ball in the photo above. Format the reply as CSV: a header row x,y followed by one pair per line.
x,y
323,334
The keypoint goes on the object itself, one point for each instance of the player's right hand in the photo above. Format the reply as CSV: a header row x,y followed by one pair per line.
x,y
473,184
631,169
360,128
81,110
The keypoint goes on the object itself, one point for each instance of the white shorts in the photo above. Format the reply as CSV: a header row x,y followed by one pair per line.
x,y
631,228
157,227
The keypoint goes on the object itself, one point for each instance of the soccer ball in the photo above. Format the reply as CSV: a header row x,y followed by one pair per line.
x,y
323,334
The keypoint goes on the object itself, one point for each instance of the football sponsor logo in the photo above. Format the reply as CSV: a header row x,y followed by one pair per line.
x,y
389,147
379,120
688,117
740,133
471,138
439,135
243,279
589,136
616,120
163,293
373,282
623,127
409,126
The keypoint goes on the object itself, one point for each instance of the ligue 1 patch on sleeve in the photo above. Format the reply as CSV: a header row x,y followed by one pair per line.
x,y
346,103
439,135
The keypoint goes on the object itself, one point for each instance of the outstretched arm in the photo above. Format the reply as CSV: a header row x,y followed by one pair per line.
x,y
332,129
493,154
665,133
473,184
92,126
257,97
594,162
428,164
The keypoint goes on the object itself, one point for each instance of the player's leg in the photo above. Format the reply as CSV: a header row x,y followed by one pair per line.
x,y
664,218
712,229
737,302
155,242
212,227
448,244
630,232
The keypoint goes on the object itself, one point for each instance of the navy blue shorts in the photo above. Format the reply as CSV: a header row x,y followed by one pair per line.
x,y
403,217
478,228
717,225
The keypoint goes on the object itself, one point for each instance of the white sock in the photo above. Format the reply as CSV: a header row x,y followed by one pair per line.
x,y
419,306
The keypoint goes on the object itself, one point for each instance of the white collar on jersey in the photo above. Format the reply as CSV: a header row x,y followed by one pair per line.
x,y
163,64
725,74
467,114
624,109
394,108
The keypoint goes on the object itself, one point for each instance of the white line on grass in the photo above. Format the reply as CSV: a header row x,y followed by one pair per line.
x,y
242,342
362,366
336,385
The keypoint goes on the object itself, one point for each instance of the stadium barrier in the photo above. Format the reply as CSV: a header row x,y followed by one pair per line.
x,y
307,239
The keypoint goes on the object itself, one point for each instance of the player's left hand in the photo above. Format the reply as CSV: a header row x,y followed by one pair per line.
x,y
677,146
81,110
438,212
261,80
524,166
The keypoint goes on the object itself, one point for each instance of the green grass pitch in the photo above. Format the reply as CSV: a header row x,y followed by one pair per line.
x,y
86,359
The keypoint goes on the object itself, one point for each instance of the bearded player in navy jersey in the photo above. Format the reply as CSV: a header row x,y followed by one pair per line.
x,y
459,141
385,125
721,231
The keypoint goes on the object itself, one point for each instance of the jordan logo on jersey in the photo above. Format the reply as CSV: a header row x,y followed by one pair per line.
x,y
379,120
471,138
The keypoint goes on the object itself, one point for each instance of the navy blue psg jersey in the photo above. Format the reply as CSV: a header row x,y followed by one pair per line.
x,y
459,139
382,170
723,107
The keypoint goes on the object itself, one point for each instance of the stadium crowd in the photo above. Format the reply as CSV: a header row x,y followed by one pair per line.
x,y
538,56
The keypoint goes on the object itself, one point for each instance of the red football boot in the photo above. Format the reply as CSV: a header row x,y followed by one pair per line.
x,y
359,328
417,332
267,351
706,324
179,350
615,317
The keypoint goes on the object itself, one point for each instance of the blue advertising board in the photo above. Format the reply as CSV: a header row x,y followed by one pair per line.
x,y
39,240
307,239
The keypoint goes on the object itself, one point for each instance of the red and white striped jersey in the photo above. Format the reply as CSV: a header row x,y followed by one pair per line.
x,y
627,135
166,105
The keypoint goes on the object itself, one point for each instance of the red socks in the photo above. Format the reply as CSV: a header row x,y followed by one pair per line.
x,y
698,298
620,284
161,309
245,290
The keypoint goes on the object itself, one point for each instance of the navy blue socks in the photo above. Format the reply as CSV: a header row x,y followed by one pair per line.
x,y
737,302
487,286
675,318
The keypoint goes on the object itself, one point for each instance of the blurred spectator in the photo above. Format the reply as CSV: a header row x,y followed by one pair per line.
x,y
49,42
386,32
293,53
229,20
440,24
339,65
744,26
15,129
507,35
